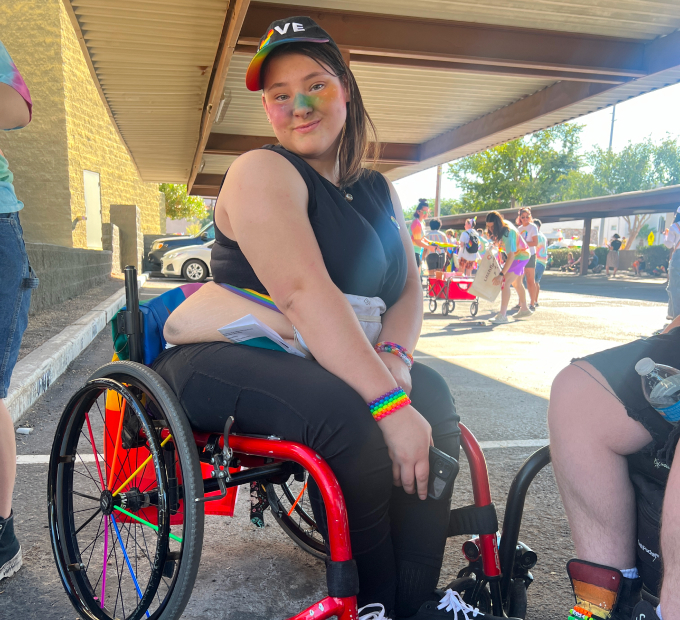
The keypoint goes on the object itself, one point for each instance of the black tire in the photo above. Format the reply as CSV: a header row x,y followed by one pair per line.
x,y
445,308
433,305
300,524
163,403
518,599
195,270
452,305
474,308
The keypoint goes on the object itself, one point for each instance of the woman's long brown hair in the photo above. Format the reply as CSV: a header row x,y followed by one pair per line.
x,y
359,130
500,227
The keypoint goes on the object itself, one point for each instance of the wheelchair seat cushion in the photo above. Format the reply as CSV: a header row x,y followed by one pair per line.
x,y
155,313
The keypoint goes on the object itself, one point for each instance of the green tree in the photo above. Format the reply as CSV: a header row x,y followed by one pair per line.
x,y
447,206
667,161
179,205
530,170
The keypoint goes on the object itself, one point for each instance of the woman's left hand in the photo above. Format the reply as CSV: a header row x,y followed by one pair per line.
x,y
497,280
398,370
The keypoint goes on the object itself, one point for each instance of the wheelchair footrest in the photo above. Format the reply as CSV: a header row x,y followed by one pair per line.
x,y
473,520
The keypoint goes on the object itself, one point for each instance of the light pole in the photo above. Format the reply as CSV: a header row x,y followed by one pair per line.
x,y
611,140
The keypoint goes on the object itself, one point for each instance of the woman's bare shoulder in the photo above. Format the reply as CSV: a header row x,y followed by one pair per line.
x,y
266,167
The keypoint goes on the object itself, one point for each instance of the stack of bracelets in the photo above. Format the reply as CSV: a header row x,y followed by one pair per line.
x,y
398,350
396,398
388,403
578,613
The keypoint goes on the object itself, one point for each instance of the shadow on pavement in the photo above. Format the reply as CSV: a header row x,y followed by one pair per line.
x,y
599,285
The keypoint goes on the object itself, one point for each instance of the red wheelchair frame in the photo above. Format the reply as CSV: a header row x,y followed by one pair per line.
x,y
270,458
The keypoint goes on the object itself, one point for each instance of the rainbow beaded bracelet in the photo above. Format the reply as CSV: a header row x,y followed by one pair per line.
x,y
396,349
388,403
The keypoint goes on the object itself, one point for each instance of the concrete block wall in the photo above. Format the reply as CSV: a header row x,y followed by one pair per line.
x,y
127,219
94,144
111,242
65,272
38,154
70,132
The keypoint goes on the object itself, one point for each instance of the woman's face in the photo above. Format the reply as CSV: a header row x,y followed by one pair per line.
x,y
489,228
525,218
305,103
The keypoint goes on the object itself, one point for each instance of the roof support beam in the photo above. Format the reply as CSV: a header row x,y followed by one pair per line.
x,y
476,44
233,22
232,144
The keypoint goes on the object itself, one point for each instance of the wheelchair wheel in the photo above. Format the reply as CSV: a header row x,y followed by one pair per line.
x,y
123,462
292,510
518,599
433,305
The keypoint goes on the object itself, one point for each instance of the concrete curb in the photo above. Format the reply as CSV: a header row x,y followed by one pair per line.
x,y
41,367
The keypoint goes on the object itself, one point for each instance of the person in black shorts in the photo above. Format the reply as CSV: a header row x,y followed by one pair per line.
x,y
612,454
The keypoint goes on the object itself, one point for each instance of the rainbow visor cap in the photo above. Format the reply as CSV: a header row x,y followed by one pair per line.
x,y
289,30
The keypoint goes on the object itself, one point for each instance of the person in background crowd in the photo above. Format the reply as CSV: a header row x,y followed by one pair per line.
x,y
672,241
483,243
541,260
529,232
593,262
421,248
468,252
437,257
16,282
570,263
450,238
508,240
613,254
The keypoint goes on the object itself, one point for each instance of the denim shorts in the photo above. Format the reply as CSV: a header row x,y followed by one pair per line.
x,y
540,268
17,280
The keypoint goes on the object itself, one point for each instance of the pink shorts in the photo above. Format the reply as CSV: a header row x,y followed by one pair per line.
x,y
518,266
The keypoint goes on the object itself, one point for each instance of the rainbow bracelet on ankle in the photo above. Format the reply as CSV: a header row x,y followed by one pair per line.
x,y
388,403
396,349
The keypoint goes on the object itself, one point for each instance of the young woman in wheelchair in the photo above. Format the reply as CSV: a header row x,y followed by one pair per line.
x,y
340,241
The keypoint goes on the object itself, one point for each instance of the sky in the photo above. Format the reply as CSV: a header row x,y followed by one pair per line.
x,y
653,114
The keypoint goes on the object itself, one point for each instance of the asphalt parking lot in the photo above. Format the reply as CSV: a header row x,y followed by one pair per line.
x,y
500,377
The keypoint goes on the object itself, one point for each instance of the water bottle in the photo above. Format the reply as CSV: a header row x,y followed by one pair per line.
x,y
661,387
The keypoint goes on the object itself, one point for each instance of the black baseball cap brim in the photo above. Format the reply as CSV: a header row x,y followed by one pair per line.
x,y
290,30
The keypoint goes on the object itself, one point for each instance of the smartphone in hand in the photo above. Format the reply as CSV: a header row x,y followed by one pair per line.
x,y
443,472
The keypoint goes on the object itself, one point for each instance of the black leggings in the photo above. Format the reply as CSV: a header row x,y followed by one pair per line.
x,y
397,540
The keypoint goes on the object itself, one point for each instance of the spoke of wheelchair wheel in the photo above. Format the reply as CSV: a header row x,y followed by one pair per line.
x,y
119,593
134,473
117,441
299,497
127,561
105,560
94,499
96,538
107,433
94,449
143,522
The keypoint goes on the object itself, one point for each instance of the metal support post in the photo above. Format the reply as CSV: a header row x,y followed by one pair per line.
x,y
585,246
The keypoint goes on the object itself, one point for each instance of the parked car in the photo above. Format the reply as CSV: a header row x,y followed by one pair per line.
x,y
164,245
191,263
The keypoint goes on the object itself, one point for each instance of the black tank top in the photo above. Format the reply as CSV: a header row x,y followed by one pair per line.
x,y
359,239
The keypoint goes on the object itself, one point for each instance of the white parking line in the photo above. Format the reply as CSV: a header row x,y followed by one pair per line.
x,y
44,459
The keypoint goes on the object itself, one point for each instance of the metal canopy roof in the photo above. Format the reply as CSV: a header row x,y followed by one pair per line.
x,y
660,200
441,78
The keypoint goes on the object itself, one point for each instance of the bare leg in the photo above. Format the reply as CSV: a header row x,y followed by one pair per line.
x,y
516,281
588,445
531,284
8,461
670,530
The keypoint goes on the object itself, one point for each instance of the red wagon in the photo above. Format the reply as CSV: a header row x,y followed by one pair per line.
x,y
450,290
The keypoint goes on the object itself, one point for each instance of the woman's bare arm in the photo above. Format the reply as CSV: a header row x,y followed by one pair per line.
x,y
14,111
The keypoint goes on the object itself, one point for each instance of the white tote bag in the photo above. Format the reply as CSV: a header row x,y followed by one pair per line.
x,y
483,286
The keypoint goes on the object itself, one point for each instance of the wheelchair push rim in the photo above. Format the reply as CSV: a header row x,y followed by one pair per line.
x,y
136,522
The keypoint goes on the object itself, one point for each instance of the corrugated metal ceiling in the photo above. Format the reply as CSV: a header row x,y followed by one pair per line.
x,y
153,59
636,19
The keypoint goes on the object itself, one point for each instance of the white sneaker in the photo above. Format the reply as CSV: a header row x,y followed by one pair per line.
x,y
500,318
522,314
452,601
373,615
